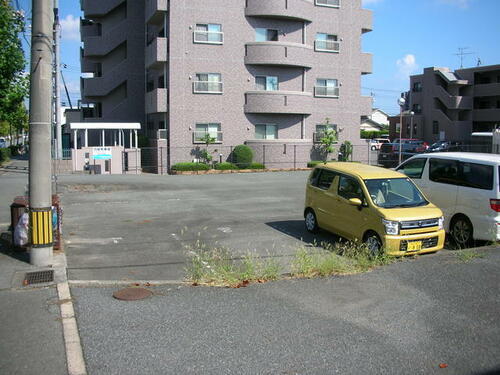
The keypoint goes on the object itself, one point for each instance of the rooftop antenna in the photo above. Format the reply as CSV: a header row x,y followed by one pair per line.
x,y
479,62
461,53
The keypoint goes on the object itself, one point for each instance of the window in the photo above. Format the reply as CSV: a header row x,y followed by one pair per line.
x,y
413,168
266,83
417,87
417,108
161,82
435,127
326,88
477,176
266,35
208,33
320,131
207,83
210,129
325,179
350,188
443,171
266,131
326,42
328,3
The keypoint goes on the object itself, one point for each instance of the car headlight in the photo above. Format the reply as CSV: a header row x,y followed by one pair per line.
x,y
391,227
441,222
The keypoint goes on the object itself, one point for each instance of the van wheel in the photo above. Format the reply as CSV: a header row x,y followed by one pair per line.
x,y
373,243
461,231
311,222
373,148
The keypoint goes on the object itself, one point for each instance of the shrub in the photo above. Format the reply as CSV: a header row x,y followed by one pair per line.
x,y
225,166
189,166
314,163
243,156
4,154
257,166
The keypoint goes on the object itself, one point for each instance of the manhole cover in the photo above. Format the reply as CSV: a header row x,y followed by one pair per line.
x,y
39,277
132,294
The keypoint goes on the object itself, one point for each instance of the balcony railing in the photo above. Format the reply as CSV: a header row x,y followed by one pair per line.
x,y
328,3
208,37
206,87
199,137
327,92
327,46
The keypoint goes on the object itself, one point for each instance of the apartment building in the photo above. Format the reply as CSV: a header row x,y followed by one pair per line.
x,y
450,105
260,72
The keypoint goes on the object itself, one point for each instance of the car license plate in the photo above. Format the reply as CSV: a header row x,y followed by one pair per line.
x,y
414,246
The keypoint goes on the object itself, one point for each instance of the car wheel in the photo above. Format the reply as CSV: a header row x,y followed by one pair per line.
x,y
311,222
461,231
374,148
373,243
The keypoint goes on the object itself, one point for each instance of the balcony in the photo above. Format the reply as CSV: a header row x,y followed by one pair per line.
x,y
453,102
328,3
278,53
156,53
288,9
103,44
156,101
365,17
327,46
488,89
208,37
207,87
278,102
155,10
101,86
93,8
490,115
199,137
366,63
326,92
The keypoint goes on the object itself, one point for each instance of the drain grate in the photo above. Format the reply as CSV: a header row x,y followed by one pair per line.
x,y
39,277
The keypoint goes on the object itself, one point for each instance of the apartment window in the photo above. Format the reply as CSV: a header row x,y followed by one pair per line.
x,y
328,3
435,127
161,82
204,129
208,33
417,108
326,88
266,131
208,83
326,43
417,86
266,35
321,130
266,83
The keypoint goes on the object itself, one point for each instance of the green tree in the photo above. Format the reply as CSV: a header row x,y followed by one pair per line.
x,y
13,80
205,154
329,139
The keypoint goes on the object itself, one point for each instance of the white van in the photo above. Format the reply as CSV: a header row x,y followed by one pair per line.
x,y
466,186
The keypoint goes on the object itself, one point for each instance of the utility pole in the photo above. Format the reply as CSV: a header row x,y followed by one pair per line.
x,y
57,84
40,191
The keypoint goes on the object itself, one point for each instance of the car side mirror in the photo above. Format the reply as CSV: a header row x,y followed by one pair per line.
x,y
355,202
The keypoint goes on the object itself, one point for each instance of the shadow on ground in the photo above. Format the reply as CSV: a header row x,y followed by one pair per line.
x,y
6,248
296,229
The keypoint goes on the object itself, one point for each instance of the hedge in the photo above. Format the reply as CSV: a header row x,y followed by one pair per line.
x,y
189,166
256,166
225,166
4,154
314,163
242,156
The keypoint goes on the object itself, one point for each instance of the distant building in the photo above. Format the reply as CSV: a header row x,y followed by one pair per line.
x,y
379,117
451,105
265,73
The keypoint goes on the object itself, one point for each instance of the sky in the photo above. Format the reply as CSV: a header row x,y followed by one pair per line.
x,y
407,36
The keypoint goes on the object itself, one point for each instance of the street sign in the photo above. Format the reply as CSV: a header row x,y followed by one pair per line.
x,y
101,153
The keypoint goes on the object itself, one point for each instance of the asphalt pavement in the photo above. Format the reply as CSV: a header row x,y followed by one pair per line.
x,y
406,318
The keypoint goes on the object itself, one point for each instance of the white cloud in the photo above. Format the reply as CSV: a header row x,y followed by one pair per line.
x,y
464,4
370,2
70,28
407,65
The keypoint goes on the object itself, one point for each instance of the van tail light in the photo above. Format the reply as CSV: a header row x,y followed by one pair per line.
x,y
495,204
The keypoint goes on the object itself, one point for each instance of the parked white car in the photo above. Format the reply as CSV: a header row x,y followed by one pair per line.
x,y
466,186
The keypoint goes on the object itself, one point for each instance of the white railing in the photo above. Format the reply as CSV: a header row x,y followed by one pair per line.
x,y
328,3
326,91
327,45
207,87
199,137
209,37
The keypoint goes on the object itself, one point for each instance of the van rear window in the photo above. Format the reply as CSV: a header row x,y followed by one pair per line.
x,y
477,176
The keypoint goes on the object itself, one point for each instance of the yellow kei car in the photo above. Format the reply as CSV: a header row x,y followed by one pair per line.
x,y
377,206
